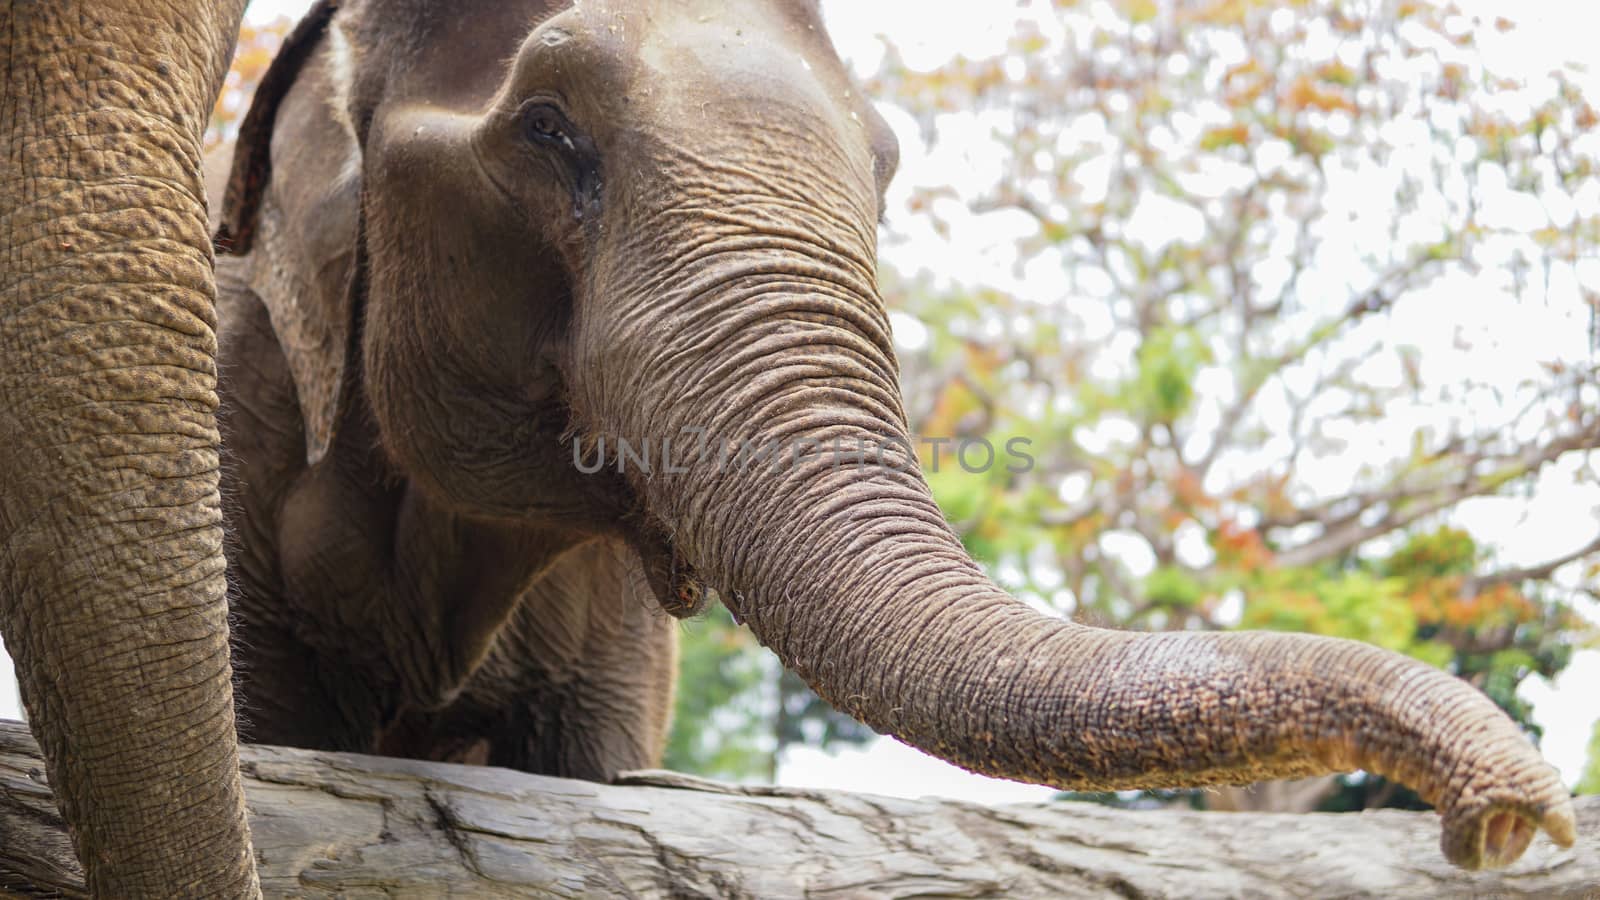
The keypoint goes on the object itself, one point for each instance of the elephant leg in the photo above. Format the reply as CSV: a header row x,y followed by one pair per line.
x,y
112,592
292,695
591,727
612,717
610,710
579,683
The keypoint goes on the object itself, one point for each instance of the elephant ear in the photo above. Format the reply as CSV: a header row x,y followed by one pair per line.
x,y
252,157
292,208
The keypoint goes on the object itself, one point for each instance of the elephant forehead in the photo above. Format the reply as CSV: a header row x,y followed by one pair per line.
x,y
687,57
712,60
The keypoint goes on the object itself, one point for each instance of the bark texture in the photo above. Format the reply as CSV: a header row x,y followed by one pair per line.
x,y
330,824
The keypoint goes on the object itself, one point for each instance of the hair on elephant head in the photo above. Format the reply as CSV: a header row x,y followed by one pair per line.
x,y
501,247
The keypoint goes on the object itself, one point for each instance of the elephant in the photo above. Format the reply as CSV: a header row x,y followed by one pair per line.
x,y
471,244
113,599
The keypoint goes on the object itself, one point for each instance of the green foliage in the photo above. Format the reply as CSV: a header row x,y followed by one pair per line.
x,y
1366,791
1433,554
721,720
1169,360
806,719
1589,781
1412,601
736,708
1172,586
1351,604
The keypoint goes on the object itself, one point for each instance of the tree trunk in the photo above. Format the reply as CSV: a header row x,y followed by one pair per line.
x,y
331,824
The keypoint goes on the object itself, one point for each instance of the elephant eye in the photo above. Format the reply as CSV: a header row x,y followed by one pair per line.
x,y
546,125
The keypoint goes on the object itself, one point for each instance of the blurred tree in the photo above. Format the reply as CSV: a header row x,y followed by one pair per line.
x,y
1223,213
258,43
1589,783
737,708
724,708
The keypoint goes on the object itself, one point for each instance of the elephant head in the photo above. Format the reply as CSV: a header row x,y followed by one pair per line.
x,y
515,229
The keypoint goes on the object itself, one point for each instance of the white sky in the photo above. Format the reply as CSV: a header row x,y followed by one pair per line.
x,y
928,32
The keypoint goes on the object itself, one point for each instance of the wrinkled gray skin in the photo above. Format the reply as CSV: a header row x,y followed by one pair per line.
x,y
113,599
474,230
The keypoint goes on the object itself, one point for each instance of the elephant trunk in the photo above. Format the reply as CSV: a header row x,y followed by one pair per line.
x,y
850,573
112,591
863,591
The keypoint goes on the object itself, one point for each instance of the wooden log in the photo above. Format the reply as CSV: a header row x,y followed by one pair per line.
x,y
335,824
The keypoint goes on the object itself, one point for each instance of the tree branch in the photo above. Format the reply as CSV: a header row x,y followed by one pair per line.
x,y
1383,295
1476,584
1407,506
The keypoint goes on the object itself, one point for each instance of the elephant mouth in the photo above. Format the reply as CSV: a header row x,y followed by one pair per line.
x,y
679,589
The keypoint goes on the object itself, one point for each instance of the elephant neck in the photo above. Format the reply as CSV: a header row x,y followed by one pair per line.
x,y
355,534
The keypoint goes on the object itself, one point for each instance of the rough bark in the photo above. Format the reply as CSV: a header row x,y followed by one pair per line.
x,y
329,824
